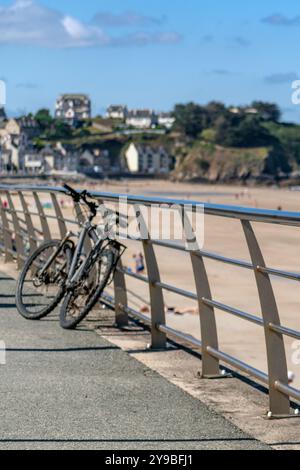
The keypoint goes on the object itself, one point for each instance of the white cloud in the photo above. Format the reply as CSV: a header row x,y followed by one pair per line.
x,y
26,22
84,35
74,28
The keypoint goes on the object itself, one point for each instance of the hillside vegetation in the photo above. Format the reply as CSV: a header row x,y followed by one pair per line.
x,y
211,142
227,144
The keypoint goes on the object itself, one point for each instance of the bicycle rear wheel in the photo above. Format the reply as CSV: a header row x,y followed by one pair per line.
x,y
78,302
37,295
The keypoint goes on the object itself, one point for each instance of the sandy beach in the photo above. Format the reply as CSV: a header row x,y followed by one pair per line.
x,y
229,284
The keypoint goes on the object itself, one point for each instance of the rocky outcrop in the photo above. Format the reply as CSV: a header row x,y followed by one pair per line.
x,y
213,163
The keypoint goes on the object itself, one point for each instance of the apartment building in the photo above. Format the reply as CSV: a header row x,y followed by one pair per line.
x,y
147,159
73,108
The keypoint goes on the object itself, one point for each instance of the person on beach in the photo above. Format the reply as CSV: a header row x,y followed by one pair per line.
x,y
139,262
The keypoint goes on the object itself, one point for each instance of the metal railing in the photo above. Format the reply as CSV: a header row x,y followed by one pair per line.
x,y
20,236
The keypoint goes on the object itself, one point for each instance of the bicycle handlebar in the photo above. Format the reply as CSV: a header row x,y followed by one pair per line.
x,y
73,193
81,196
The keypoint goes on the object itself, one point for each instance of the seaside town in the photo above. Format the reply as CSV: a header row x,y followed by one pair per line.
x,y
211,143
75,143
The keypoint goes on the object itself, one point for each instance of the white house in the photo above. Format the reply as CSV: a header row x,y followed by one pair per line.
x,y
40,162
37,163
166,120
147,159
12,142
117,112
33,163
141,118
72,108
240,110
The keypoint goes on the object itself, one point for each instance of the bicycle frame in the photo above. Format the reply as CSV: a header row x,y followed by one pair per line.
x,y
59,249
75,274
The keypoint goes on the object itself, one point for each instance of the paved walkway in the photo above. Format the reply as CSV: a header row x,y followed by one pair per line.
x,y
72,389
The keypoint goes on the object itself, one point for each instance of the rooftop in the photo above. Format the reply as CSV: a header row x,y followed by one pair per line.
x,y
116,108
140,113
165,115
74,96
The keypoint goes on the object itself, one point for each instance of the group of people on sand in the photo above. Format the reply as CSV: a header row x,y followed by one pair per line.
x,y
174,310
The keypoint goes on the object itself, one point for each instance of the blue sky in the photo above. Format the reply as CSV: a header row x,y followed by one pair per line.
x,y
149,54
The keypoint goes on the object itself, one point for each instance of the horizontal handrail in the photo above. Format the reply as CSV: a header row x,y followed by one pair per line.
x,y
222,210
176,290
129,273
233,311
287,390
271,216
285,331
239,365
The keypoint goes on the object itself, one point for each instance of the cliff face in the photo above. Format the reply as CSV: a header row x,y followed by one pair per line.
x,y
212,163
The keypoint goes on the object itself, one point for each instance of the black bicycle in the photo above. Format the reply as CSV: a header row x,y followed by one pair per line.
x,y
64,270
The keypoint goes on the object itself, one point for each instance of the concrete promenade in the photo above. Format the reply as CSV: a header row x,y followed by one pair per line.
x,y
75,390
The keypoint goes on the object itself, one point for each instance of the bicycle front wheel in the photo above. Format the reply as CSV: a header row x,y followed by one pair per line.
x,y
38,294
79,301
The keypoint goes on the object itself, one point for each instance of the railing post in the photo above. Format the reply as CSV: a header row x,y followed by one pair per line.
x,y
42,216
59,215
17,229
8,246
120,293
209,336
277,365
29,223
158,338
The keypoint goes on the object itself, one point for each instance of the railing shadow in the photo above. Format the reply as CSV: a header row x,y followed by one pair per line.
x,y
135,440
63,350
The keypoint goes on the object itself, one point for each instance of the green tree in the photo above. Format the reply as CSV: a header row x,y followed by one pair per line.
x,y
225,128
267,111
190,119
62,129
214,110
209,135
44,118
250,133
242,131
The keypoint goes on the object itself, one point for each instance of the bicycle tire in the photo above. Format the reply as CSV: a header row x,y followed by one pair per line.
x,y
20,304
69,324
